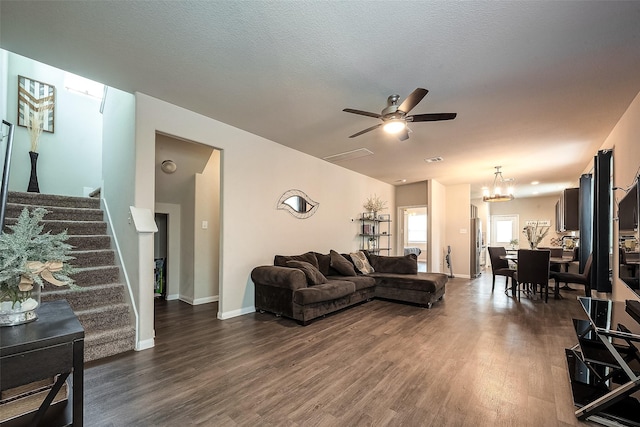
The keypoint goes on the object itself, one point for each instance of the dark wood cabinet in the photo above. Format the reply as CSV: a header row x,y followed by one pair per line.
x,y
567,210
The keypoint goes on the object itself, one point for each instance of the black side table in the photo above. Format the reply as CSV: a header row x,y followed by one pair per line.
x,y
49,346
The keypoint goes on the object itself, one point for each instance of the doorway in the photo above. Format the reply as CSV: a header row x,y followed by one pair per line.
x,y
413,233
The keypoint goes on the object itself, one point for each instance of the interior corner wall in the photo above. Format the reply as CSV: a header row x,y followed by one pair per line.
x,y
415,194
458,231
626,164
207,240
436,229
187,250
74,147
255,173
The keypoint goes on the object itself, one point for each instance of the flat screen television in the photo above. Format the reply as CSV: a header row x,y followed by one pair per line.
x,y
628,216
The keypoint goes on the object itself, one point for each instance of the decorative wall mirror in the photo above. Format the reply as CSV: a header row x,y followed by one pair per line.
x,y
298,204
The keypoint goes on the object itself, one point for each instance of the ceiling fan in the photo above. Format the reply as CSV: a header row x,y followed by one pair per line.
x,y
394,117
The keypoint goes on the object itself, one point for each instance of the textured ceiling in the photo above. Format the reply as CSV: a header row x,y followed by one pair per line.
x,y
537,85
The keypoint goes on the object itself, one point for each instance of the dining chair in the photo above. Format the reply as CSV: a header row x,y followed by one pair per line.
x,y
555,253
500,267
583,278
533,270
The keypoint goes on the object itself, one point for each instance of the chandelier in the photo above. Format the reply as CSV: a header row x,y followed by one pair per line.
x,y
499,183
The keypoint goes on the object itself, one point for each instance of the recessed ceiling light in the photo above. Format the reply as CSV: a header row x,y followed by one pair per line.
x,y
535,182
400,181
434,159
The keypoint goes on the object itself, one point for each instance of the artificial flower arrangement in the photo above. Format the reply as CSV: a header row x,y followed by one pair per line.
x,y
535,234
374,204
28,258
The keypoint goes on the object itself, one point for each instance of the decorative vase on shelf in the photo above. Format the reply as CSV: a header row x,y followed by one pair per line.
x,y
18,307
33,178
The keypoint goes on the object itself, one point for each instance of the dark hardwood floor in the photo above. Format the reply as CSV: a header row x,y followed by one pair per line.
x,y
475,359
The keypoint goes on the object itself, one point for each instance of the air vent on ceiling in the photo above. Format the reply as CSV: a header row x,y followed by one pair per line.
x,y
434,159
349,155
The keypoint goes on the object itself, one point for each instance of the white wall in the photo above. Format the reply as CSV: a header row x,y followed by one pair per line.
x,y
255,173
70,158
624,139
4,81
436,231
457,228
118,156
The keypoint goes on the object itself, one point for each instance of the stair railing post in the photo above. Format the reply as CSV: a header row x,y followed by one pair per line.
x,y
4,190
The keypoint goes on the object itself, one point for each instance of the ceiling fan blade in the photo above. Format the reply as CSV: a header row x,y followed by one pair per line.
x,y
434,117
362,113
366,130
413,100
404,135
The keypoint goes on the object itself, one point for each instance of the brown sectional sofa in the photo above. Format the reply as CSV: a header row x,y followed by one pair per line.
x,y
292,289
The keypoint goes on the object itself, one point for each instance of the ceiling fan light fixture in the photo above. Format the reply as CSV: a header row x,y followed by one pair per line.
x,y
394,126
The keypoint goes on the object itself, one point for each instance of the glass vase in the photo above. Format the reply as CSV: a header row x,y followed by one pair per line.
x,y
18,307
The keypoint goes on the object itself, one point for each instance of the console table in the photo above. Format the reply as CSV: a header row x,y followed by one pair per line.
x,y
604,366
49,346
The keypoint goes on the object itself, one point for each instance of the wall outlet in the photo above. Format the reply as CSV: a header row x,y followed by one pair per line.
x,y
205,225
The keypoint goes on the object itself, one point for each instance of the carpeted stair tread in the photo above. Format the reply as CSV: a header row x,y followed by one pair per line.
x,y
90,242
47,200
72,227
57,213
91,276
103,318
94,258
89,297
108,343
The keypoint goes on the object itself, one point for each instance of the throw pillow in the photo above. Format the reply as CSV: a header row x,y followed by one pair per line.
x,y
281,260
341,264
314,277
361,262
407,264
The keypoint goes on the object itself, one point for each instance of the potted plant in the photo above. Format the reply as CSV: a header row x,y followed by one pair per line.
x,y
28,258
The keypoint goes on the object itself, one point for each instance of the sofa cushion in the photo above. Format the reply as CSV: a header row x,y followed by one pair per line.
x,y
324,264
341,264
361,262
407,264
427,282
325,292
314,277
361,282
281,260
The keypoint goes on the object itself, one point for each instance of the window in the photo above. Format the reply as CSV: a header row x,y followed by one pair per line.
x,y
84,86
504,229
417,228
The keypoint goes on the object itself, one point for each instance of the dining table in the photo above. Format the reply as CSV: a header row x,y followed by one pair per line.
x,y
564,262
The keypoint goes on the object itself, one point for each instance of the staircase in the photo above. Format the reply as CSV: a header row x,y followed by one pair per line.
x,y
100,302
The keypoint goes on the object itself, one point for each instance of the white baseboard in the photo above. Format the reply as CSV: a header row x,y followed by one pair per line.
x,y
236,313
145,344
198,301
173,297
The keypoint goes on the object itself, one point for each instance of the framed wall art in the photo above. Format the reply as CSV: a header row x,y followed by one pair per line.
x,y
35,97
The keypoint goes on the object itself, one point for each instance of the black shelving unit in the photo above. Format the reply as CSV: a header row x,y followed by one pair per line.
x,y
375,233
